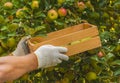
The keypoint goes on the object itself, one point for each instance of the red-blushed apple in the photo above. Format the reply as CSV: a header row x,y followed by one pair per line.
x,y
8,5
100,54
62,12
81,5
52,14
35,5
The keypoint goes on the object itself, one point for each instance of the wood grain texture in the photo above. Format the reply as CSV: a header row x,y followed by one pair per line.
x,y
65,37
84,46
69,30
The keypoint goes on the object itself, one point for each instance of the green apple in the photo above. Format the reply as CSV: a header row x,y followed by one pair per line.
x,y
85,39
75,42
105,15
25,8
11,42
117,49
35,5
62,12
13,26
52,14
65,80
61,1
91,76
8,5
20,13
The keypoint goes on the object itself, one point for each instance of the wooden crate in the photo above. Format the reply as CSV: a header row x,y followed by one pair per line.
x,y
77,39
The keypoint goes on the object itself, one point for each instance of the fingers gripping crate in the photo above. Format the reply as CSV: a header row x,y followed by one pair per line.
x,y
77,39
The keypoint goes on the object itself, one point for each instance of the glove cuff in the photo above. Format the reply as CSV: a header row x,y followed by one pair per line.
x,y
15,53
39,59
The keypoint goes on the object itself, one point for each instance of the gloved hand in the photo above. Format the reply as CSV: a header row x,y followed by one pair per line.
x,y
48,55
22,48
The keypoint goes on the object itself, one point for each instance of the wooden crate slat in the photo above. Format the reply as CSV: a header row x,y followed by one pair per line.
x,y
87,25
90,32
83,46
68,30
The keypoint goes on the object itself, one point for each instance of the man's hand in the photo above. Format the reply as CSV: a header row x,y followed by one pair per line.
x,y
22,48
48,55
12,67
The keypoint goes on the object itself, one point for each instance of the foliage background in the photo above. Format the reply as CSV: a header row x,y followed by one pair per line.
x,y
103,13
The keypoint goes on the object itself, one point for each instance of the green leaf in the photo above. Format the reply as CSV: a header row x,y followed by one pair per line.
x,y
117,72
40,14
117,2
58,22
105,35
2,37
95,58
117,62
109,56
4,28
11,34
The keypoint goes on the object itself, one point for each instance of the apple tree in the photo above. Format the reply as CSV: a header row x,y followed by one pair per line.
x,y
19,18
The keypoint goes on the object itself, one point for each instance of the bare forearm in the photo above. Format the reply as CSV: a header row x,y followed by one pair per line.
x,y
31,62
12,67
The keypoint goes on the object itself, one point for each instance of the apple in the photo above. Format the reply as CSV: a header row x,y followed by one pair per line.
x,y
91,76
75,42
85,39
81,5
13,26
62,12
11,42
52,14
60,1
25,8
65,80
117,49
35,5
105,15
19,13
100,54
8,5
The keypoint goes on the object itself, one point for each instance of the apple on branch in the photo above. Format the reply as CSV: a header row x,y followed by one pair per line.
x,y
52,14
19,13
35,5
8,5
62,12
81,5
60,1
100,54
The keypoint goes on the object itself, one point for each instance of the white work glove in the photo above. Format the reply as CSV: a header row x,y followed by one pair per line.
x,y
49,55
22,48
